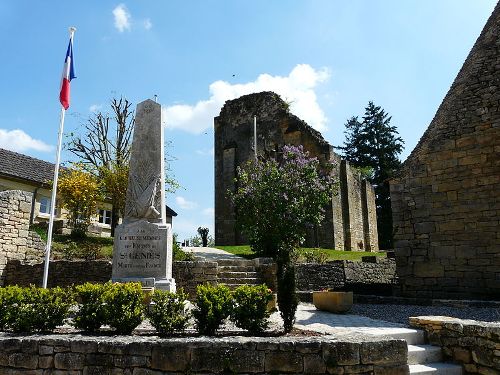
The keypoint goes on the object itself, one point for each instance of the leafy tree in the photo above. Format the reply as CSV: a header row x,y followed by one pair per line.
x,y
79,193
374,143
203,232
104,150
274,201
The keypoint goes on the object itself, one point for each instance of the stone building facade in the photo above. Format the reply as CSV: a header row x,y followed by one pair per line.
x,y
350,222
17,242
446,199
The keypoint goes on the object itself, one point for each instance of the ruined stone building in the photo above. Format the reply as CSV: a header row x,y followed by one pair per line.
x,y
350,222
446,199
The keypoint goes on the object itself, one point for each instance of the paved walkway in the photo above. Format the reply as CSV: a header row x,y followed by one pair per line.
x,y
309,318
210,253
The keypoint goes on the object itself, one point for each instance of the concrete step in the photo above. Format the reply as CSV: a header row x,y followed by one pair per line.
x,y
421,354
412,336
436,369
236,275
237,268
240,281
235,262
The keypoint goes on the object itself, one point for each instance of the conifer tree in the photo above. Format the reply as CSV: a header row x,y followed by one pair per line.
x,y
374,143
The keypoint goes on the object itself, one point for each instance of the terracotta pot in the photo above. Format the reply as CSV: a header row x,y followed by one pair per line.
x,y
336,302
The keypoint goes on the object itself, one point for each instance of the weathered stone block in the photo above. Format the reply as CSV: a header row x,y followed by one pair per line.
x,y
23,360
244,361
170,358
379,353
96,370
341,353
314,364
283,362
69,361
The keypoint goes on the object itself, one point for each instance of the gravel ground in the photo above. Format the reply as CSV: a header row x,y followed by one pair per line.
x,y
401,313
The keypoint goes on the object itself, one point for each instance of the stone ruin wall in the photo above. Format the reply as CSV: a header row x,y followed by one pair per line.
x,y
17,242
446,201
350,221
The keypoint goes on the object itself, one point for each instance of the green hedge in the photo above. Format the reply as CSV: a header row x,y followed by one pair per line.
x,y
123,308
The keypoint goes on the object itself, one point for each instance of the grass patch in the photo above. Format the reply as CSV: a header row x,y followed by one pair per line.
x,y
66,247
332,254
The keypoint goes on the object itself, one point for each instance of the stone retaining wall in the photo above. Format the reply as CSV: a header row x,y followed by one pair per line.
x,y
476,345
369,276
17,242
64,272
146,355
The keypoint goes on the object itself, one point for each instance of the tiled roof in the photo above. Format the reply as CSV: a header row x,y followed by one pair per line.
x,y
25,167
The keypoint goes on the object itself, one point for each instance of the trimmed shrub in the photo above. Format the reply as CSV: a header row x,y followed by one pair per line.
x,y
36,309
91,306
124,306
167,312
250,307
213,304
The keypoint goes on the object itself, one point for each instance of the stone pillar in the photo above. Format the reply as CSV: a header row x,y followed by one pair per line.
x,y
143,243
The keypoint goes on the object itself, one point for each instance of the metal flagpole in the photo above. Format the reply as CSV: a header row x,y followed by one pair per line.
x,y
255,136
54,186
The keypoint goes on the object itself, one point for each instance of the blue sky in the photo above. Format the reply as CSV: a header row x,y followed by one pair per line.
x,y
328,57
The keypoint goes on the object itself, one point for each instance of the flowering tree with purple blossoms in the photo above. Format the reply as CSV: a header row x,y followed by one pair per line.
x,y
275,200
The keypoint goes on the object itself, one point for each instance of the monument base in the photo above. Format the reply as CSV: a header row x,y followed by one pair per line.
x,y
149,283
142,253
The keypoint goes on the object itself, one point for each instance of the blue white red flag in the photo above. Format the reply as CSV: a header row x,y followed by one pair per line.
x,y
67,75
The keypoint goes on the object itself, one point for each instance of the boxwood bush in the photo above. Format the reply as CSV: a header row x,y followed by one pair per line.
x,y
167,312
91,314
213,305
250,307
35,309
124,306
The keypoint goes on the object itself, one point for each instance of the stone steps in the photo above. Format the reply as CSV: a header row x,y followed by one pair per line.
x,y
436,369
424,359
418,354
236,272
240,281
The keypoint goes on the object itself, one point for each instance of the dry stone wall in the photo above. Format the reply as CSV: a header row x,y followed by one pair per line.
x,y
473,344
350,222
120,355
446,199
17,242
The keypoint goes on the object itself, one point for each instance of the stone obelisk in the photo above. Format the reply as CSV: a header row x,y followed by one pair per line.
x,y
143,242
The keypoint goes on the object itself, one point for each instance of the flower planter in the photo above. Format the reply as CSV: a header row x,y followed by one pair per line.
x,y
336,302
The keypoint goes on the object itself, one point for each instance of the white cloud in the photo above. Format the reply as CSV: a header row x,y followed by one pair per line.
x,y
147,24
122,18
95,107
18,140
185,204
296,88
206,152
208,212
187,227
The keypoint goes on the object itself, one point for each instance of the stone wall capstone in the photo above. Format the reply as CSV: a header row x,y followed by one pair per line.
x,y
446,198
17,242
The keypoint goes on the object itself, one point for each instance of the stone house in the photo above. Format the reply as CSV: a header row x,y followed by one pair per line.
x,y
23,172
350,221
446,199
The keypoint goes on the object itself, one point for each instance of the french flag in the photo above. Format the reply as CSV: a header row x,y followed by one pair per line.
x,y
67,75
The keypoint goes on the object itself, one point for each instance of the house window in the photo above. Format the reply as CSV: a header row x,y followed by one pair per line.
x,y
44,205
105,217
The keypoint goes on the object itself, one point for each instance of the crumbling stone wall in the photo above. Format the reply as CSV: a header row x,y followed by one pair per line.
x,y
349,222
17,242
446,199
